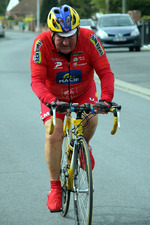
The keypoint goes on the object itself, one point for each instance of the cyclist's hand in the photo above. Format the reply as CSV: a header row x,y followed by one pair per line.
x,y
61,107
102,106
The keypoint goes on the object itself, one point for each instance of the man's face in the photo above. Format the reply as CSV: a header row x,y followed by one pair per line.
x,y
65,45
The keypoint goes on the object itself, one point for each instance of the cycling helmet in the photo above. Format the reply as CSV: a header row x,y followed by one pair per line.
x,y
63,20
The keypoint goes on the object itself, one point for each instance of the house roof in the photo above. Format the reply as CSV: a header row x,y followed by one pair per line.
x,y
25,7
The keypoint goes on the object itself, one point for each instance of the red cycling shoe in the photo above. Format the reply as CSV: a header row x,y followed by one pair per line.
x,y
82,160
54,202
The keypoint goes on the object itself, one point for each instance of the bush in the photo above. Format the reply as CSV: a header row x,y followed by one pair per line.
x,y
28,19
145,18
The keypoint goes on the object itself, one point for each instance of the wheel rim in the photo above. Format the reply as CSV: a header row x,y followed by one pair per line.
x,y
83,193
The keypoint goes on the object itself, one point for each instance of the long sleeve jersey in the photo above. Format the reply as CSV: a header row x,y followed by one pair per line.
x,y
50,69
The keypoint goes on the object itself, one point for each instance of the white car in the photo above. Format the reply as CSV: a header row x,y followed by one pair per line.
x,y
87,23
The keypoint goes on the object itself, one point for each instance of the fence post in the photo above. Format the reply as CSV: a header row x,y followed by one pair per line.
x,y
141,30
149,32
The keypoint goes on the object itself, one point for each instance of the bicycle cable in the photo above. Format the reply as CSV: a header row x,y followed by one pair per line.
x,y
87,119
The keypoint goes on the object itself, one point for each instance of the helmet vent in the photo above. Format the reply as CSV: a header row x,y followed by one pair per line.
x,y
74,19
56,11
65,9
54,24
61,22
67,21
74,11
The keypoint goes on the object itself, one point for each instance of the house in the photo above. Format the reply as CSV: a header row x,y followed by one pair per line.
x,y
25,8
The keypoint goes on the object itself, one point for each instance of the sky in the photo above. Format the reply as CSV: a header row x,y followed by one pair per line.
x,y
12,3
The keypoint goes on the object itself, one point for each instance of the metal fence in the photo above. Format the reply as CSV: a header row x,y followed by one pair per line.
x,y
144,28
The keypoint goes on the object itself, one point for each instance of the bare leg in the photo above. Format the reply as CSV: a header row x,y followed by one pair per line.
x,y
92,124
53,149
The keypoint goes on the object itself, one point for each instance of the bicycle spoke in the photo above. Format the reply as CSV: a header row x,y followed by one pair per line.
x,y
83,193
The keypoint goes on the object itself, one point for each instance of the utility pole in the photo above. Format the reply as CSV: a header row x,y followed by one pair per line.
x,y
38,16
107,6
123,6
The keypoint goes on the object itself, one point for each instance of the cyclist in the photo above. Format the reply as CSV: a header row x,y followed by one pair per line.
x,y
63,60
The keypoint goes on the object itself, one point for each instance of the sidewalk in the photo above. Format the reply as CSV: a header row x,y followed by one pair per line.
x,y
132,88
126,86
146,47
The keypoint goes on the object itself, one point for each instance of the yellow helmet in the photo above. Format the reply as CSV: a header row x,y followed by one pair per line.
x,y
63,19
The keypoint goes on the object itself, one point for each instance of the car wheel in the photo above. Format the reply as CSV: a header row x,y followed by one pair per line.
x,y
138,49
131,49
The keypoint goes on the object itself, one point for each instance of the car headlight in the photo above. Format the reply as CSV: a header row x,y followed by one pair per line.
x,y
135,32
102,34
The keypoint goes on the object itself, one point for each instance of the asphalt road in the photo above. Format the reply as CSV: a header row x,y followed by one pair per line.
x,y
122,171
132,67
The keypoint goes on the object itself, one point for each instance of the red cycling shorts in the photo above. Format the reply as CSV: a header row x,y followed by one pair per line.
x,y
90,96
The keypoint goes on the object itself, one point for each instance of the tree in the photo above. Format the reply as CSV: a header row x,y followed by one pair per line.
x,y
142,5
115,6
3,6
99,6
84,7
45,8
65,2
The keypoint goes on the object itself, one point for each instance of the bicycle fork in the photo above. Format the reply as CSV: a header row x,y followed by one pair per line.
x,y
72,171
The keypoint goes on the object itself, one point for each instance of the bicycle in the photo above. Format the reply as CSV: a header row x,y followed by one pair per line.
x,y
75,178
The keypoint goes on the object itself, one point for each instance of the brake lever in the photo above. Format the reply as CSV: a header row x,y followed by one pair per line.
x,y
54,115
118,115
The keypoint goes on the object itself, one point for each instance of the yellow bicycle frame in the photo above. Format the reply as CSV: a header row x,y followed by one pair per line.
x,y
79,131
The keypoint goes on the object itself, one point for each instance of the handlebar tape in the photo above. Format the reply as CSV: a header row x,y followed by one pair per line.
x,y
51,130
115,125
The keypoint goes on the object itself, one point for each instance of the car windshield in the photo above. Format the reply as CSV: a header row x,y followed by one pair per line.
x,y
114,21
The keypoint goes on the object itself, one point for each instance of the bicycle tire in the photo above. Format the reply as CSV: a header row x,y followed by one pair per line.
x,y
64,179
83,184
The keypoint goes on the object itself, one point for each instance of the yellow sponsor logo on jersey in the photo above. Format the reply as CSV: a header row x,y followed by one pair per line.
x,y
97,44
37,57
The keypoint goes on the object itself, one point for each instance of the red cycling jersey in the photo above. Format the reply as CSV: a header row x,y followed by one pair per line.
x,y
50,69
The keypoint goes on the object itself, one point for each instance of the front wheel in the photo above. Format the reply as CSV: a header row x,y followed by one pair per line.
x,y
83,184
64,178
